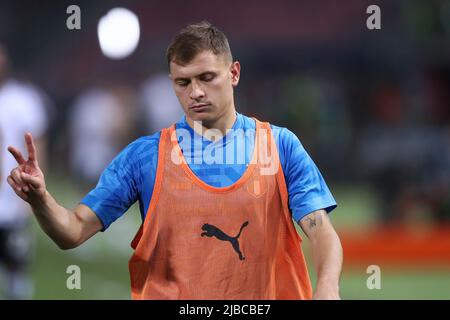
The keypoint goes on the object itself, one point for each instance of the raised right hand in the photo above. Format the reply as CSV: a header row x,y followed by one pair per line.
x,y
27,179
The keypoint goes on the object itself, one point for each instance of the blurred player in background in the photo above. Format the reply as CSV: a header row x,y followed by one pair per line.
x,y
21,110
100,119
211,230
157,91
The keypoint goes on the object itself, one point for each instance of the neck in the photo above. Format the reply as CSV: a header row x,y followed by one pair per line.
x,y
223,123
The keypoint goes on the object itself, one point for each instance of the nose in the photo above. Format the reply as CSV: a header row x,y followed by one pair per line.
x,y
196,91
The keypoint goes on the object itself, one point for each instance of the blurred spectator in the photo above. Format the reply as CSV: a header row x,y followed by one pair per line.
x,y
158,104
21,110
406,159
317,109
101,123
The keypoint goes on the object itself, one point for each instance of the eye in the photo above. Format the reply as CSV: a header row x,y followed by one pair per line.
x,y
182,83
208,77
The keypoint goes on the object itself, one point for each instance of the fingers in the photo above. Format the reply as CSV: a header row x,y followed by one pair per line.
x,y
17,178
17,189
22,183
15,175
17,155
30,147
35,182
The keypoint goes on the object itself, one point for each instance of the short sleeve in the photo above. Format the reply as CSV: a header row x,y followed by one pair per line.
x,y
119,185
306,186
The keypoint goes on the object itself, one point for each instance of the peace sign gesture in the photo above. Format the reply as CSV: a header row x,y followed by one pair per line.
x,y
27,179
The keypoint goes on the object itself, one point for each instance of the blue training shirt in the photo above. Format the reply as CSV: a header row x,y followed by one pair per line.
x,y
130,177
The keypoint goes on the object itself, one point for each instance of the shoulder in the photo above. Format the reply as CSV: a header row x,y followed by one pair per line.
x,y
291,150
281,134
145,142
140,150
286,138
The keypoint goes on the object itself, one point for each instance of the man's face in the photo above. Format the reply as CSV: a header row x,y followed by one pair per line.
x,y
204,86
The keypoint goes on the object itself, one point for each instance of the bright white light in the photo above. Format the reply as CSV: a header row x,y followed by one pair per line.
x,y
118,33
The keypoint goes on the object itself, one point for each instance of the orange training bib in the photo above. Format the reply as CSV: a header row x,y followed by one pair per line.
x,y
203,242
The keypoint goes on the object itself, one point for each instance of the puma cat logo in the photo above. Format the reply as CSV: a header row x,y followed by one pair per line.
x,y
211,230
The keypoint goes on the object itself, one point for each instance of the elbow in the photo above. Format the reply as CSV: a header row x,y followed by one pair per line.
x,y
67,244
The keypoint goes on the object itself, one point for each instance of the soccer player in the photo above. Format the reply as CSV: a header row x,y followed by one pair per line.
x,y
217,193
22,109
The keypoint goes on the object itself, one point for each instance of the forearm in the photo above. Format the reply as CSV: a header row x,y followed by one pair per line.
x,y
326,253
66,228
59,223
327,258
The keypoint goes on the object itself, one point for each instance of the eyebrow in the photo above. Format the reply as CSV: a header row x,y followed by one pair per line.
x,y
197,76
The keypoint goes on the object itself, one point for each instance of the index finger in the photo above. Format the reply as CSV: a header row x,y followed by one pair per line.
x,y
30,147
16,154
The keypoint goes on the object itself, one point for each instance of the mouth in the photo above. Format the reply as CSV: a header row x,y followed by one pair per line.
x,y
198,107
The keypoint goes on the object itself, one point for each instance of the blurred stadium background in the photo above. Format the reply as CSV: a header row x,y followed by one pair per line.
x,y
372,107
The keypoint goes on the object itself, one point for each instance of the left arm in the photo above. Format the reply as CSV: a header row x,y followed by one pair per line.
x,y
326,252
308,193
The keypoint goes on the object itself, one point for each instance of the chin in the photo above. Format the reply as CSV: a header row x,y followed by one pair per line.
x,y
201,116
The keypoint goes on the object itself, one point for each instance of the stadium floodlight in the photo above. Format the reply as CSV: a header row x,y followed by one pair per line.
x,y
118,33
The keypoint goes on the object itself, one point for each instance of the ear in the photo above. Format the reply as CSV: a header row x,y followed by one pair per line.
x,y
235,70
